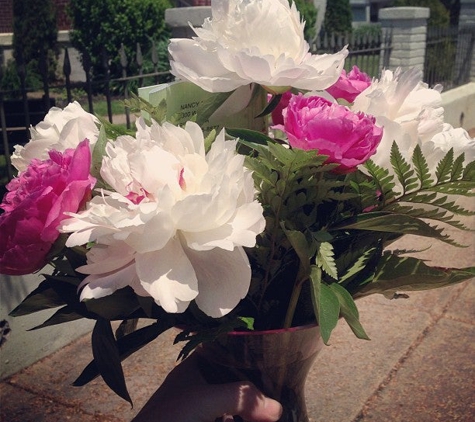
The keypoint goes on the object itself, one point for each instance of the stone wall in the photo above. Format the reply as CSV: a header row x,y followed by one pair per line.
x,y
409,30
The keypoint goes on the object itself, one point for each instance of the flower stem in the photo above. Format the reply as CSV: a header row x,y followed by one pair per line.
x,y
294,298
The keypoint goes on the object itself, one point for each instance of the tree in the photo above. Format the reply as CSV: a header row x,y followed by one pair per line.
x,y
103,26
439,15
308,13
453,6
338,17
35,35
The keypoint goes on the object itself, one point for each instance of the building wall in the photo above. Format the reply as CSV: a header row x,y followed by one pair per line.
x,y
6,15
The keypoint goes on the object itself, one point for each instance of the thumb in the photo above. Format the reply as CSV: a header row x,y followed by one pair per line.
x,y
237,398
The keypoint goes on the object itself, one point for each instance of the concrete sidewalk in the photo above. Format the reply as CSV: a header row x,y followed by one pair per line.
x,y
418,367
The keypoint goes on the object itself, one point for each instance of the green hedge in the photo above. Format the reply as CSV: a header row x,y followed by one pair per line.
x,y
106,24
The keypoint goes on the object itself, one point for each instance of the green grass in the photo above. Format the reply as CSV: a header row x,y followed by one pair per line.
x,y
100,107
368,64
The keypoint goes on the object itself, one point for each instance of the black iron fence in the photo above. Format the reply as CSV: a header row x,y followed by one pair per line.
x,y
449,55
448,59
25,106
369,51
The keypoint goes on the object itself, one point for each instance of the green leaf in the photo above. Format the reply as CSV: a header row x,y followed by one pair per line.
x,y
396,273
138,104
469,171
326,259
65,314
107,358
358,265
127,345
210,139
116,306
43,297
384,181
126,327
249,322
195,338
248,137
422,169
402,169
271,105
444,167
394,223
303,248
457,187
349,311
210,105
98,153
325,303
457,167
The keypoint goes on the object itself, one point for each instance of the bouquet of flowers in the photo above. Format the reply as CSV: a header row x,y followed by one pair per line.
x,y
229,228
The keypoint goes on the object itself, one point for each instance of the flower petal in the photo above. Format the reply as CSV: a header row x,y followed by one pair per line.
x,y
168,276
222,286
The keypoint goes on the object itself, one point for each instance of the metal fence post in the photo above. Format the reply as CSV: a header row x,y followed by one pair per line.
x,y
467,23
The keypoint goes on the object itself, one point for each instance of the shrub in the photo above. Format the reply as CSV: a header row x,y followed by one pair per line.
x,y
34,34
308,13
370,30
439,15
10,82
102,26
338,17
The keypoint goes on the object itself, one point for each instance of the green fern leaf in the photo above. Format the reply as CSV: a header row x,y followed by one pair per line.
x,y
383,180
469,171
445,167
358,266
402,168
437,214
421,167
326,259
457,167
387,222
397,273
458,187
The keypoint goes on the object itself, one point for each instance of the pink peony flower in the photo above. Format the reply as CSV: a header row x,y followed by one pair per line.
x,y
350,85
348,138
37,202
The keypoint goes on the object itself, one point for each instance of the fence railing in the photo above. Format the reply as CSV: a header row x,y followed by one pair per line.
x,y
26,106
448,59
449,55
370,52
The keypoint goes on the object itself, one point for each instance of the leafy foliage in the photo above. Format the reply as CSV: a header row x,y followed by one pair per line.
x,y
338,17
101,27
344,222
439,15
324,246
34,36
308,13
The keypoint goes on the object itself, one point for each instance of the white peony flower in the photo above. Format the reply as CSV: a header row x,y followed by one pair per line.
x,y
457,138
409,111
60,130
175,226
411,114
253,41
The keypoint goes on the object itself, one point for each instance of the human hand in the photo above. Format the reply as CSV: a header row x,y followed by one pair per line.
x,y
185,396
